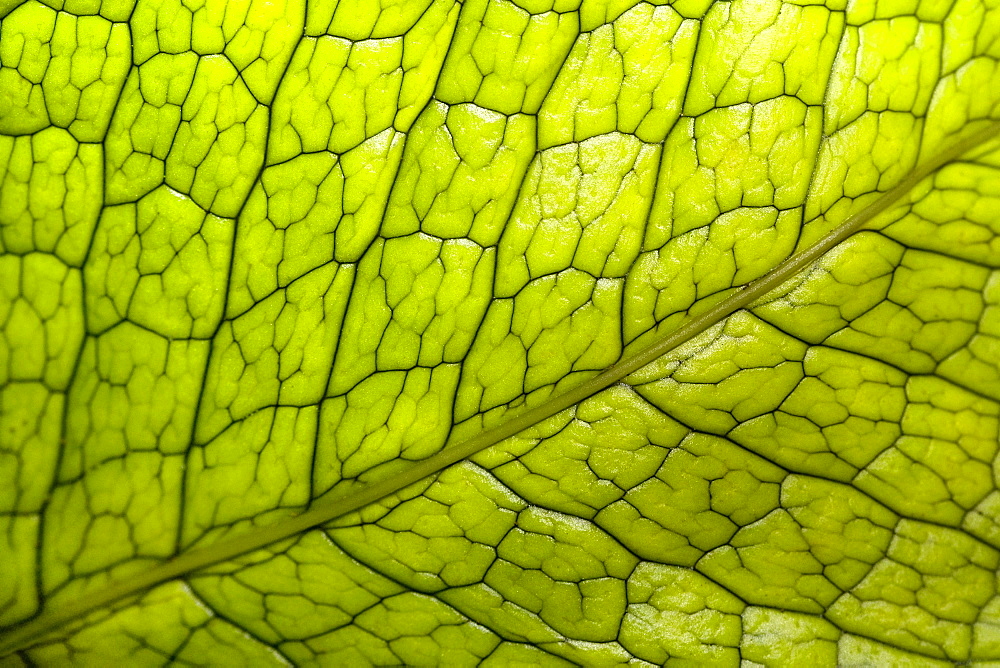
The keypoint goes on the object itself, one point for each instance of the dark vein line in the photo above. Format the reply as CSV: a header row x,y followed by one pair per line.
x,y
30,632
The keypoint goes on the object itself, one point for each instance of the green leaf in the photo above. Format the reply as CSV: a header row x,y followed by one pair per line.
x,y
557,333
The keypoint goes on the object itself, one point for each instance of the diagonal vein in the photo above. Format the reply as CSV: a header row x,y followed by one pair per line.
x,y
186,563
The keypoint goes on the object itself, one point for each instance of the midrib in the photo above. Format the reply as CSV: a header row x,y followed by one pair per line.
x,y
24,635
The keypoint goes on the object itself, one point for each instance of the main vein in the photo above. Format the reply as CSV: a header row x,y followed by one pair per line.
x,y
186,563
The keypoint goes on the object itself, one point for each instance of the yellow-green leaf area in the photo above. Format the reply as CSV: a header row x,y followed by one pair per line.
x,y
499,332
144,125
701,626
609,83
594,460
503,58
25,51
773,637
51,191
924,596
163,265
943,477
844,412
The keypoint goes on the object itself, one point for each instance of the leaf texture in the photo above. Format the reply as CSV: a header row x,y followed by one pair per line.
x,y
541,333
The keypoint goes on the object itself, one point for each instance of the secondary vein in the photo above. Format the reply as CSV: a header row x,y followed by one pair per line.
x,y
186,563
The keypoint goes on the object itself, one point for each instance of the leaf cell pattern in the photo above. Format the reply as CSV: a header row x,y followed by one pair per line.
x,y
258,256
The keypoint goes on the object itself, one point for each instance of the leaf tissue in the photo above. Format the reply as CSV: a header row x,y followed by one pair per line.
x,y
499,332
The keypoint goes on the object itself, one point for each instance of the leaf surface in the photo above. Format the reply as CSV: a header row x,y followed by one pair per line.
x,y
438,333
